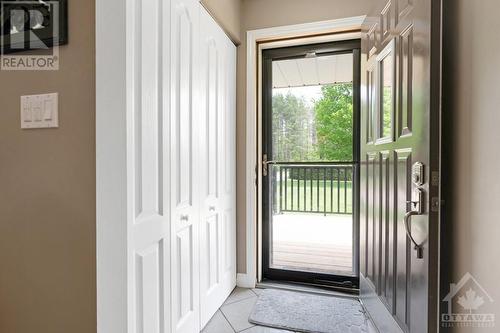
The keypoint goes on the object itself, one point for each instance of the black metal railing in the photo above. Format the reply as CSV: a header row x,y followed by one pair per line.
x,y
313,188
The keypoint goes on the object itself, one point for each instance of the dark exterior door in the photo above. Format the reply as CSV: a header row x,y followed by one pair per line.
x,y
399,175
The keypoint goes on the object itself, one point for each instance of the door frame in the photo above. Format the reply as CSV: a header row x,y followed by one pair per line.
x,y
257,41
336,281
112,37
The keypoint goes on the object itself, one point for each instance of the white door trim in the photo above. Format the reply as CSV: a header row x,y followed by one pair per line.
x,y
327,31
111,175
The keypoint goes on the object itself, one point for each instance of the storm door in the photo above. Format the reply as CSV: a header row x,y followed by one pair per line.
x,y
310,164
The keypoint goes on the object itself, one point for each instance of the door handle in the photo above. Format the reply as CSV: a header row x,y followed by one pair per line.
x,y
185,218
211,208
417,247
265,165
417,209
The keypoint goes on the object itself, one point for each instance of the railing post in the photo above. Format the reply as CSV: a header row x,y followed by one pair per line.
x,y
345,190
324,191
331,189
280,205
275,190
305,188
286,188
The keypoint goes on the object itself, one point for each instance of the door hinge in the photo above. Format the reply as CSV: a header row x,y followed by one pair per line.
x,y
256,175
435,204
435,178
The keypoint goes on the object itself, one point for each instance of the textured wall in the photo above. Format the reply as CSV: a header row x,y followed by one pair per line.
x,y
47,194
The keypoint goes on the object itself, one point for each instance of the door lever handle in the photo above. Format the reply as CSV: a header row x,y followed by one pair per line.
x,y
265,165
418,247
417,208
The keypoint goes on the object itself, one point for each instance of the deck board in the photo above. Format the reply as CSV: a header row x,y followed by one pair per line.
x,y
313,243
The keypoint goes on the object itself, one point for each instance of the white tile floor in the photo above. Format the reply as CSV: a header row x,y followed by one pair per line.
x,y
233,315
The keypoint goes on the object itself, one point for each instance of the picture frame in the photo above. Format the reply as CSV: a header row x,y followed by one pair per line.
x,y
37,30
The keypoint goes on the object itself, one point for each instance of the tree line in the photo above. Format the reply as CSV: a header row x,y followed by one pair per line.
x,y
323,132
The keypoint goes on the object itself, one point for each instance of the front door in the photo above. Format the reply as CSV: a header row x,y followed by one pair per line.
x,y
310,172
399,180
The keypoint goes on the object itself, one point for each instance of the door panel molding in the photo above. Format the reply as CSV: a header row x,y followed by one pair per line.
x,y
405,63
149,296
183,61
403,161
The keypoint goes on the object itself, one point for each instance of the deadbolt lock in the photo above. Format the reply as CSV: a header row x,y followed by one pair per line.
x,y
417,174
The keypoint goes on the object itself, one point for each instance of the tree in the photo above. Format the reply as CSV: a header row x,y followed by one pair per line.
x,y
292,128
334,122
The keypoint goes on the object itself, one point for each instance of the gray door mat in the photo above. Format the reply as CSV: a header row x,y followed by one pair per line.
x,y
309,313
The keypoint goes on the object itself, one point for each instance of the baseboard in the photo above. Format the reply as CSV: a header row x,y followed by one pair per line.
x,y
245,281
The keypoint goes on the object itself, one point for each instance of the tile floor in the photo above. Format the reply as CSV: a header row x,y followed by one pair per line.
x,y
233,315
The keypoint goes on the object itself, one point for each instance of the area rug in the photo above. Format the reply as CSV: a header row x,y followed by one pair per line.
x,y
305,312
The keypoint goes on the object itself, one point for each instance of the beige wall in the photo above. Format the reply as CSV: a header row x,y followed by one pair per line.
x,y
47,194
228,15
471,148
257,14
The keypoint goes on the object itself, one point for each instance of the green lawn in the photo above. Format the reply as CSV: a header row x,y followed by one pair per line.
x,y
305,196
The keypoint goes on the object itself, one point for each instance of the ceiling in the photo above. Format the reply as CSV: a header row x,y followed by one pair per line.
x,y
312,71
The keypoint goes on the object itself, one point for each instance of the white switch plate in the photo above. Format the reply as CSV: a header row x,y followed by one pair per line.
x,y
39,111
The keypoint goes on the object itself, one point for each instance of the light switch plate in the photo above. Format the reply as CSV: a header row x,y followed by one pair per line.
x,y
39,111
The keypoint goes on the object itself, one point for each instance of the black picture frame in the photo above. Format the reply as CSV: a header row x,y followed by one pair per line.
x,y
44,34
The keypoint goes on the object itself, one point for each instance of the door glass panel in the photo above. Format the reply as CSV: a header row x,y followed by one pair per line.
x,y
311,182
386,95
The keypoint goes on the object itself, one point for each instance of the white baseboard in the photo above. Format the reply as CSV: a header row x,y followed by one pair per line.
x,y
245,281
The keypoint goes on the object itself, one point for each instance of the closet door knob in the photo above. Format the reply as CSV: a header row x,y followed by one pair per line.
x,y
184,217
211,208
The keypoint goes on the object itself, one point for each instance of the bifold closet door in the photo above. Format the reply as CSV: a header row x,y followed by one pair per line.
x,y
148,212
218,225
167,239
184,164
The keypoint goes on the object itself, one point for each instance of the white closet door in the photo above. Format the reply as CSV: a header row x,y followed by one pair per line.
x,y
218,225
147,163
184,166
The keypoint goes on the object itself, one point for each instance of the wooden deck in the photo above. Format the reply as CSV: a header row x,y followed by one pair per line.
x,y
314,243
